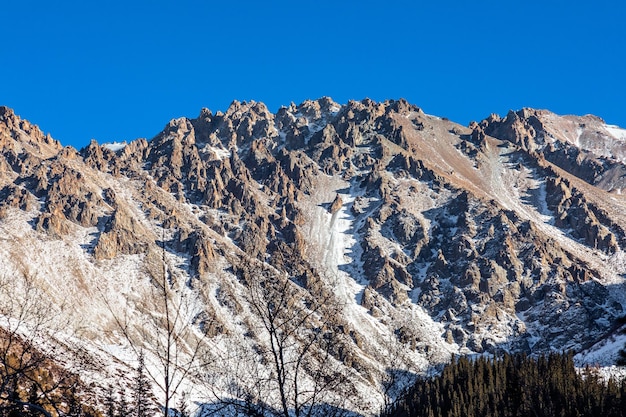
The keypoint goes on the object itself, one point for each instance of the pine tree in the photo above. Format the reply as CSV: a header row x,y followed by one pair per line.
x,y
182,406
33,398
122,409
621,361
141,391
109,403
74,407
13,398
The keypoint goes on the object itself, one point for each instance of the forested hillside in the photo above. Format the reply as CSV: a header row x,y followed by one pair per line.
x,y
514,386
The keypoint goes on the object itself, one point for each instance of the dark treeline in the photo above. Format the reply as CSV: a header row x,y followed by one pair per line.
x,y
513,386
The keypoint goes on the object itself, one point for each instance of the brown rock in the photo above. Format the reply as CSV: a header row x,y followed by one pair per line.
x,y
336,204
123,235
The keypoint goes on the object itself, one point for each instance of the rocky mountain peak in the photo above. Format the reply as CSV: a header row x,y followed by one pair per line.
x,y
315,109
585,146
205,114
6,113
21,136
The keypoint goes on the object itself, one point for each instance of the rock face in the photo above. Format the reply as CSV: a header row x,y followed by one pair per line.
x,y
584,146
432,237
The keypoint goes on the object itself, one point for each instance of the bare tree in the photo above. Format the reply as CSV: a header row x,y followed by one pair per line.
x,y
29,325
400,369
167,333
294,371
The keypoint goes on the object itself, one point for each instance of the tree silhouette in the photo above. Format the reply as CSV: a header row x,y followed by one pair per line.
x,y
27,317
166,334
621,361
294,364
142,391
109,403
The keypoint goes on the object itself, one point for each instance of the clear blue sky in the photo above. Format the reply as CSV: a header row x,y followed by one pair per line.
x,y
118,70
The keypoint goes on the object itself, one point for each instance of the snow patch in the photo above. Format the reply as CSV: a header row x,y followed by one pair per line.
x,y
616,131
115,146
603,353
217,152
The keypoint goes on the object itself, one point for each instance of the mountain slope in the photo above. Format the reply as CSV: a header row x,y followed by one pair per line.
x,y
422,237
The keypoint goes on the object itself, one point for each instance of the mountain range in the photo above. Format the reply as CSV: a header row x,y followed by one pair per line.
x,y
343,248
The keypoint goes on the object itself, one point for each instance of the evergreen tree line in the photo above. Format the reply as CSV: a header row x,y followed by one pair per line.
x,y
137,403
513,386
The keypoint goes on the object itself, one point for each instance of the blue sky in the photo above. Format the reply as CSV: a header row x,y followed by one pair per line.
x,y
118,70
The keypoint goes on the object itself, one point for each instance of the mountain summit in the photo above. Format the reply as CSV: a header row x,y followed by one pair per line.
x,y
322,256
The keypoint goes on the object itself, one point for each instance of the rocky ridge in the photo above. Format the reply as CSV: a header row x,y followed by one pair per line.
x,y
433,237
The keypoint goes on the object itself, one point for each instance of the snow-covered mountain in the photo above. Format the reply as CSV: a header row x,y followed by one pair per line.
x,y
365,242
